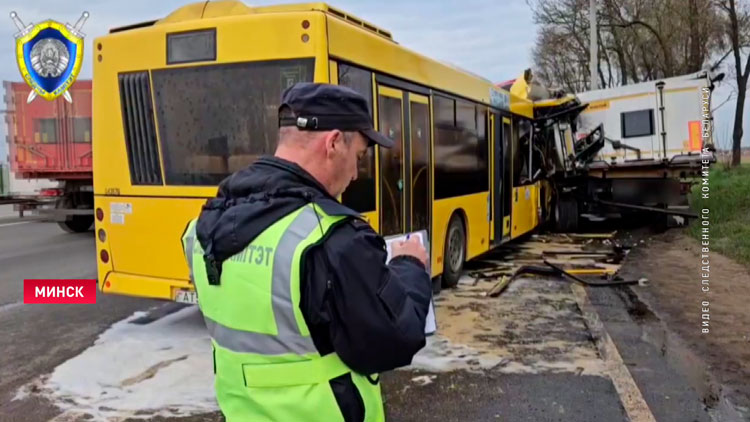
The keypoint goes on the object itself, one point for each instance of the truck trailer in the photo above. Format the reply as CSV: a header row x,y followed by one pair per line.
x,y
634,149
51,140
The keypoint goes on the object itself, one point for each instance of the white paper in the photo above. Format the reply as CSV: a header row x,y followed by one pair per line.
x,y
116,218
431,321
121,207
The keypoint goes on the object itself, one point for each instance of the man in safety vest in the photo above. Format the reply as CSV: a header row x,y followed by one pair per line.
x,y
302,310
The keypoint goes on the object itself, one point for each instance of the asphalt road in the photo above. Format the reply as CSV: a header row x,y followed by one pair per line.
x,y
35,339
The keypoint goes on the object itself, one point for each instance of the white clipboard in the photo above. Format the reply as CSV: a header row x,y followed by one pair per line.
x,y
431,322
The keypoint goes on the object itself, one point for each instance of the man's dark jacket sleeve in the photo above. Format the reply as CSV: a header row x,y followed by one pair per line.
x,y
371,314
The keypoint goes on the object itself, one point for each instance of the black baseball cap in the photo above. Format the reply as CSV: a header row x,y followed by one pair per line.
x,y
327,107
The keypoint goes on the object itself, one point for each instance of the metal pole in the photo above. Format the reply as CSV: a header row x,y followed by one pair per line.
x,y
660,87
593,46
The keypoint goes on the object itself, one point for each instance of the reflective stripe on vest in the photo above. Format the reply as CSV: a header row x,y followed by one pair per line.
x,y
305,222
262,344
289,338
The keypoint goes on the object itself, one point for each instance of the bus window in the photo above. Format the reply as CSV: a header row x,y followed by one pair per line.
x,y
360,195
391,186
217,119
507,175
460,152
420,170
482,122
521,138
357,79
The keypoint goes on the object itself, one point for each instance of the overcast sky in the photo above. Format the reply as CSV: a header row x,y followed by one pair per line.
x,y
489,37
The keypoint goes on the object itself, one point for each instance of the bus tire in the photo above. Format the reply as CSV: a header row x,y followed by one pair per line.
x,y
436,285
566,214
454,253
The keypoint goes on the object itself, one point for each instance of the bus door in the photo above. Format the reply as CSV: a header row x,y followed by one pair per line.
x,y
496,181
506,192
419,163
391,161
404,182
501,193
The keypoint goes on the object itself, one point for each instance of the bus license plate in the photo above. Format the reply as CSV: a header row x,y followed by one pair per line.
x,y
186,296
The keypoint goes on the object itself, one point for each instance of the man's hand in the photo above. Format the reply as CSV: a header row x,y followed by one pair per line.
x,y
412,247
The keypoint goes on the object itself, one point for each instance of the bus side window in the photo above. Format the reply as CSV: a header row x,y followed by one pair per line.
x,y
521,139
461,159
360,195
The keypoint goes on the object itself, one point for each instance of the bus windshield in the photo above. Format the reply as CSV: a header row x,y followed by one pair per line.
x,y
214,120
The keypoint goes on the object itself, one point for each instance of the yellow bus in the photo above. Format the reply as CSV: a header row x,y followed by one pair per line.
x,y
182,102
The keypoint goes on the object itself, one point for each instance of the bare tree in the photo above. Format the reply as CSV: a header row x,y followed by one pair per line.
x,y
561,48
638,40
738,32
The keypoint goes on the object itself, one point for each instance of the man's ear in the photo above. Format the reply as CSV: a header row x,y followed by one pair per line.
x,y
334,140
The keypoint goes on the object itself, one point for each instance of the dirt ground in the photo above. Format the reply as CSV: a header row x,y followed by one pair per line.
x,y
718,361
534,326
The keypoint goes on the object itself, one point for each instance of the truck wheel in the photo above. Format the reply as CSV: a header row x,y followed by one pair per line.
x,y
73,223
454,254
77,223
566,214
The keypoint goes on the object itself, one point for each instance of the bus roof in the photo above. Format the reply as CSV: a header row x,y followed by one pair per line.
x,y
228,8
223,8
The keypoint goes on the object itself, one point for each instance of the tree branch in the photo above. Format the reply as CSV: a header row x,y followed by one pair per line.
x,y
667,55
716,65
729,98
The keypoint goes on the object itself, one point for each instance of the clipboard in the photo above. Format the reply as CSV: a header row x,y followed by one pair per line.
x,y
430,322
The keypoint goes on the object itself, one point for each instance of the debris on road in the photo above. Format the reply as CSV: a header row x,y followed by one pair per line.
x,y
592,235
565,256
423,380
534,327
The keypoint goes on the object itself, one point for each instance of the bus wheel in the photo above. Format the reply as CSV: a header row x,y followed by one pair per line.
x,y
436,285
454,254
566,214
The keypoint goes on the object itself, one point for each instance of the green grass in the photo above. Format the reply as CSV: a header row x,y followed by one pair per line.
x,y
729,212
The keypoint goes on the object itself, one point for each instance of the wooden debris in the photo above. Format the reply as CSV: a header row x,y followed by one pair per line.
x,y
569,256
593,235
522,270
499,287
591,271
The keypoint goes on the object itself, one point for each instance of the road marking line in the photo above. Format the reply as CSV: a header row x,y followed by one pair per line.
x,y
15,224
630,396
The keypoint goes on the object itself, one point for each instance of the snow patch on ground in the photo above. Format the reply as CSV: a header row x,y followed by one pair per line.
x,y
440,355
163,368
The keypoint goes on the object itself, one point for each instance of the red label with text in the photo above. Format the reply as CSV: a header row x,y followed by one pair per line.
x,y
59,291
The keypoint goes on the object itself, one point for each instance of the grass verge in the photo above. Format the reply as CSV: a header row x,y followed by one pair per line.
x,y
729,212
